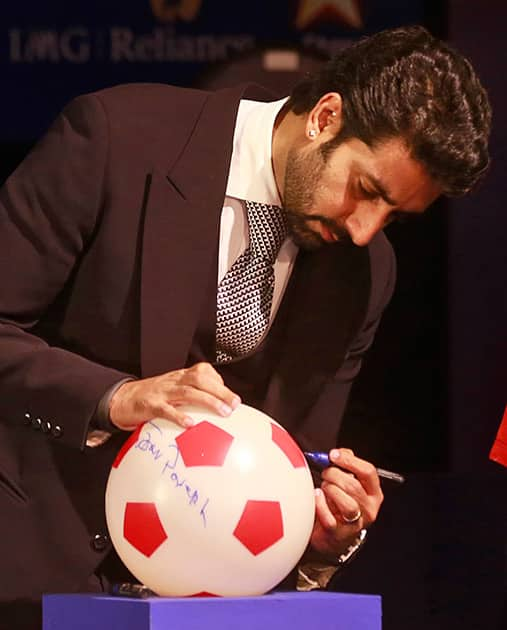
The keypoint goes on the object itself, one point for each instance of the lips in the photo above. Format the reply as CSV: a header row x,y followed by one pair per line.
x,y
327,235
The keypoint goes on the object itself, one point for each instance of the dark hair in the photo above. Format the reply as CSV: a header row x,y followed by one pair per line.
x,y
404,82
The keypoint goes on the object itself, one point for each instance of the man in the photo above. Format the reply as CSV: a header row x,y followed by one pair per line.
x,y
119,236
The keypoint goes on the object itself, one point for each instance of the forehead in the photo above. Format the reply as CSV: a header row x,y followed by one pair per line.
x,y
389,163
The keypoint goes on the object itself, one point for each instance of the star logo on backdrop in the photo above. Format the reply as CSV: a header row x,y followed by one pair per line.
x,y
343,11
172,10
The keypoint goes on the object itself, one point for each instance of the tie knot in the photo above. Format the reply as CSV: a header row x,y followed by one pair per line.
x,y
267,229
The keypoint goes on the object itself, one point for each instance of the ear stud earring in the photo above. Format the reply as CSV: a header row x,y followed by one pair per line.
x,y
312,133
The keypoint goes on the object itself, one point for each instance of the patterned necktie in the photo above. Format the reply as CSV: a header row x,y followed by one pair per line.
x,y
244,295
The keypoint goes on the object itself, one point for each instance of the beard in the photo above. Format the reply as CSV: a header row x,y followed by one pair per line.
x,y
303,175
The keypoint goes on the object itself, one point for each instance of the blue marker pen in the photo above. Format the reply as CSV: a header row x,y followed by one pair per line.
x,y
319,461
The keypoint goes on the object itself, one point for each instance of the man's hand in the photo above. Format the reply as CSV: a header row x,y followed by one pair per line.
x,y
135,402
349,500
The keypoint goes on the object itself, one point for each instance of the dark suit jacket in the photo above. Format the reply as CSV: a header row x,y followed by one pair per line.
x,y
108,233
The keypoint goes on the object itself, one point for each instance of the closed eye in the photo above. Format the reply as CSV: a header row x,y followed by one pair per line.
x,y
367,193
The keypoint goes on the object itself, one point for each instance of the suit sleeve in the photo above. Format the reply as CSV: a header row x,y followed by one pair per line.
x,y
49,209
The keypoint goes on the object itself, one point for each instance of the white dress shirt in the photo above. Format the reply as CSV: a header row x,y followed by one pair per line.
x,y
251,178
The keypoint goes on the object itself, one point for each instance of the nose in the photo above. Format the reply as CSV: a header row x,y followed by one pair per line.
x,y
364,223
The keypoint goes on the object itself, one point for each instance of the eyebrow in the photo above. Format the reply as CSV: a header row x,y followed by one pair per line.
x,y
379,188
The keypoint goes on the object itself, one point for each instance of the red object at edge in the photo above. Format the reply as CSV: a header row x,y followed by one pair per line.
x,y
498,452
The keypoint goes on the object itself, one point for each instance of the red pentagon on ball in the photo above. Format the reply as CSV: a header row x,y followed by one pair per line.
x,y
204,445
127,445
260,525
285,443
142,527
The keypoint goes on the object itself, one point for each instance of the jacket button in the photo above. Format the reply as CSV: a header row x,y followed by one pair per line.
x,y
46,427
57,431
36,423
27,419
99,542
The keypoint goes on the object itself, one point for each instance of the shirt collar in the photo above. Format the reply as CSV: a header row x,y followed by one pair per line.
x,y
251,171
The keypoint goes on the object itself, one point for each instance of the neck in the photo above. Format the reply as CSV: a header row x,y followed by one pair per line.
x,y
286,131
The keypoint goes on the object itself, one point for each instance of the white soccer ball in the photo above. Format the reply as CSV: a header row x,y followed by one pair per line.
x,y
223,508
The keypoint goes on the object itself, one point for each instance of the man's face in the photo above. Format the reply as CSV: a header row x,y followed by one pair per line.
x,y
354,192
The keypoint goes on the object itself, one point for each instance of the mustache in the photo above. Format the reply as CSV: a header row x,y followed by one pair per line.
x,y
330,224
305,220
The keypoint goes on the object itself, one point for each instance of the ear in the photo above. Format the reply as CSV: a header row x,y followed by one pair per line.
x,y
325,117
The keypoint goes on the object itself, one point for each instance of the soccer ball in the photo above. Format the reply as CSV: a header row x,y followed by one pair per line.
x,y
223,508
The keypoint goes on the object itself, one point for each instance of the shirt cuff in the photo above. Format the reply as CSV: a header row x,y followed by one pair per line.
x,y
101,426
314,574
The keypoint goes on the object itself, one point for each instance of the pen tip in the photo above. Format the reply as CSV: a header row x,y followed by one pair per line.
x,y
320,460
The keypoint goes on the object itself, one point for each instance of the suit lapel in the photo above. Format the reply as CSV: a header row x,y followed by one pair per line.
x,y
174,252
180,234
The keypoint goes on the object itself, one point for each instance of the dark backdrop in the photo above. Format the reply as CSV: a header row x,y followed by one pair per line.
x,y
432,390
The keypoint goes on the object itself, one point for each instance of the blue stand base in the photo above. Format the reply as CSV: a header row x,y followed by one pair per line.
x,y
283,611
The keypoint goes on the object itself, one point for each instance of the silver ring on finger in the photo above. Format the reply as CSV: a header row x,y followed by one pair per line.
x,y
354,519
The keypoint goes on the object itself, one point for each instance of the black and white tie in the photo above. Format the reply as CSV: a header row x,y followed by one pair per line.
x,y
245,293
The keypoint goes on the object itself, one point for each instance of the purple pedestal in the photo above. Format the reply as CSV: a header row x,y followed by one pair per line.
x,y
283,611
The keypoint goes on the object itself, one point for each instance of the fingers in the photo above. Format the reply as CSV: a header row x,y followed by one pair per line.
x,y
363,470
345,507
161,396
352,488
323,513
330,536
169,412
204,386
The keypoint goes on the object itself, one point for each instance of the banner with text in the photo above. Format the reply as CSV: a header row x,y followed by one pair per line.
x,y
52,51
